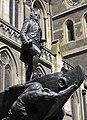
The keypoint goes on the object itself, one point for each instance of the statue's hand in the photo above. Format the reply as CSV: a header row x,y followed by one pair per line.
x,y
47,94
76,84
30,41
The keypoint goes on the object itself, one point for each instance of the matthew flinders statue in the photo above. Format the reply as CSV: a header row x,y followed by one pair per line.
x,y
31,44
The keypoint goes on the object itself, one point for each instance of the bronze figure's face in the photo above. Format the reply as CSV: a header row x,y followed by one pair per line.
x,y
34,15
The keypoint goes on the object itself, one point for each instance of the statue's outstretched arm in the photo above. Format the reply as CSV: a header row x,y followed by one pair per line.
x,y
47,94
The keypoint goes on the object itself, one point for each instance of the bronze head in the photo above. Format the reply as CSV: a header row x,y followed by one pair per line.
x,y
34,14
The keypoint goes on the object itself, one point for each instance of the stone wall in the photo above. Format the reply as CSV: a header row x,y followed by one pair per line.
x,y
74,52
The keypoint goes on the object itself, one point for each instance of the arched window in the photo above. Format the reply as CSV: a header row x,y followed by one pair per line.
x,y
38,6
70,30
40,70
85,25
86,19
8,76
5,70
8,67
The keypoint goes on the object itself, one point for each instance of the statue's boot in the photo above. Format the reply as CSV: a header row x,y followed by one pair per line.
x,y
75,78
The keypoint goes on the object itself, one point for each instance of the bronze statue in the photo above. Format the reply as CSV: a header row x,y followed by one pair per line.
x,y
42,98
31,48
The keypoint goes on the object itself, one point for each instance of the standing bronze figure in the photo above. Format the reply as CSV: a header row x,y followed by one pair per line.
x,y
31,48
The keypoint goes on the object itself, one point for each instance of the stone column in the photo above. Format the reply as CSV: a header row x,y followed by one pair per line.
x,y
74,105
57,61
21,14
48,28
5,10
77,105
1,8
23,76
